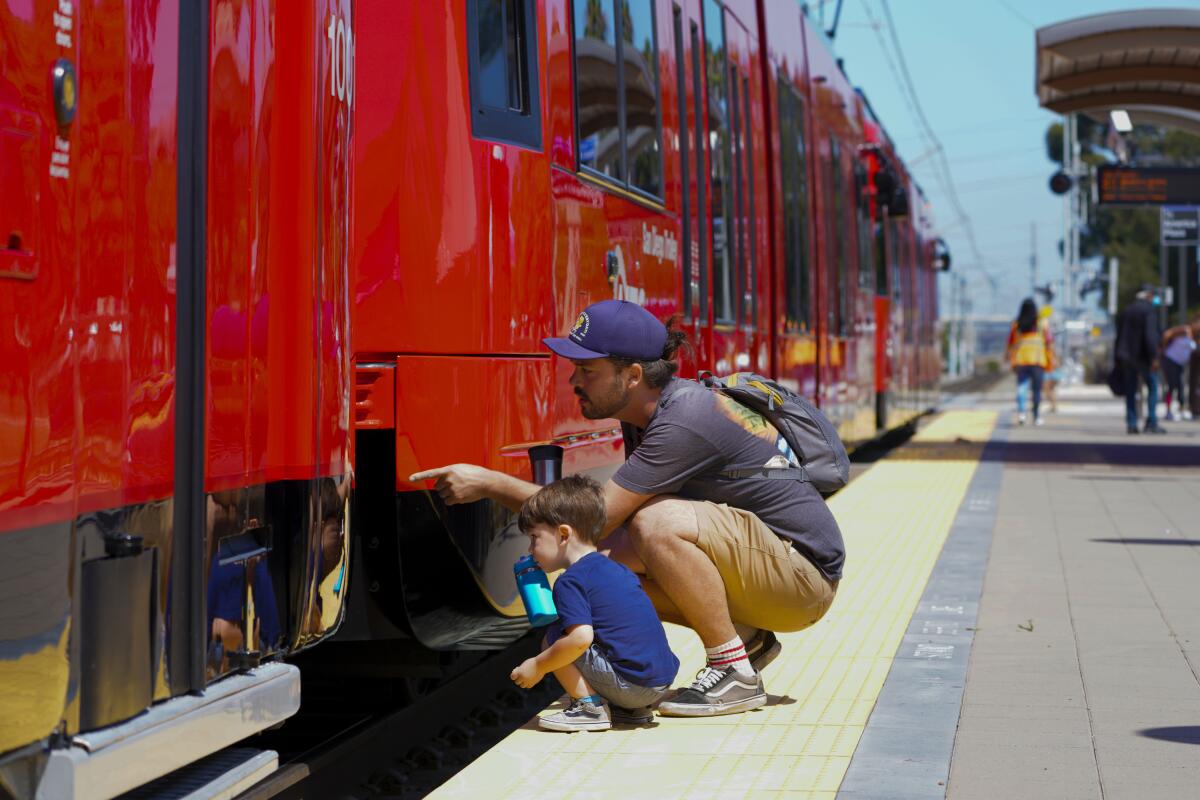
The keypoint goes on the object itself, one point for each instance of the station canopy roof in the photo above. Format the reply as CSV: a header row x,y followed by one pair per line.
x,y
1146,62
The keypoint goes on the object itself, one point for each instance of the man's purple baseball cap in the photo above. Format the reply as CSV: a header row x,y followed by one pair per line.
x,y
612,328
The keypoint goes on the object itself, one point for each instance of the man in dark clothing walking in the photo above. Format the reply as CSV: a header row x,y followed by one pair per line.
x,y
1136,351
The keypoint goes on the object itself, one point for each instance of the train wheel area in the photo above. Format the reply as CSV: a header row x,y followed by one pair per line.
x,y
1033,566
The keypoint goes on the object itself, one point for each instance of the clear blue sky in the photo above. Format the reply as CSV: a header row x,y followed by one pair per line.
x,y
972,63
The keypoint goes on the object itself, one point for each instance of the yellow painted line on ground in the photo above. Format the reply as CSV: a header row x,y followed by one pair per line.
x,y
895,518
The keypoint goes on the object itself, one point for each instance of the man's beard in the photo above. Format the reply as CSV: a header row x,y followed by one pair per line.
x,y
604,406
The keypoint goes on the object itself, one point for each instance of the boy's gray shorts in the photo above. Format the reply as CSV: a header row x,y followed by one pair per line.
x,y
611,686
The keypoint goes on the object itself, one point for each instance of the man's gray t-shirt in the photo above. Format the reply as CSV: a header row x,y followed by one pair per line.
x,y
694,436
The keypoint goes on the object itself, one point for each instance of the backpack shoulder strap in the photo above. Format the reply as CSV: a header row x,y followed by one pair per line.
x,y
791,473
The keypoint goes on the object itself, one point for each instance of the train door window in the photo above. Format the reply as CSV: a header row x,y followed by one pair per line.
x,y
699,279
863,230
616,92
716,62
897,255
836,248
502,63
690,269
738,198
793,176
750,295
685,186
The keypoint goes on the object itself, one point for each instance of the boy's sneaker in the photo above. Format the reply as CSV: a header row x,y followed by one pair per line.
x,y
762,648
716,691
579,716
631,716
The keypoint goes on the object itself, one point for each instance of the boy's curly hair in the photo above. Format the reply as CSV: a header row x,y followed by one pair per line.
x,y
575,500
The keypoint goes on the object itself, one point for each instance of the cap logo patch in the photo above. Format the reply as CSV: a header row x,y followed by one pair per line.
x,y
582,323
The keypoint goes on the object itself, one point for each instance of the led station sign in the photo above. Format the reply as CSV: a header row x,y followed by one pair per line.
x,y
1148,186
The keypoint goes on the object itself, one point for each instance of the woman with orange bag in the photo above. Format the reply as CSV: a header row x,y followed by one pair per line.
x,y
1028,343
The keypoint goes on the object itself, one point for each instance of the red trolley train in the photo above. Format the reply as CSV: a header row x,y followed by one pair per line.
x,y
219,305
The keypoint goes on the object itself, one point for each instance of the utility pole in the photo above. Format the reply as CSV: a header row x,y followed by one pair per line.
x,y
1114,267
1032,259
1068,238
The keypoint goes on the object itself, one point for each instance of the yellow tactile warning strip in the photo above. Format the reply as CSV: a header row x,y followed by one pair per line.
x,y
895,518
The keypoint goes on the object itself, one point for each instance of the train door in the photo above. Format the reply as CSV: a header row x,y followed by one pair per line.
x,y
835,301
734,243
883,315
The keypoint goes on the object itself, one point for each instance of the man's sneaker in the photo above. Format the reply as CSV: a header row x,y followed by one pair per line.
x,y
1021,418
762,648
716,691
631,716
579,716
1154,429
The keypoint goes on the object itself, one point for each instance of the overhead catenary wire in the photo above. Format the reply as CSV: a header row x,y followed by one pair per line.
x,y
893,53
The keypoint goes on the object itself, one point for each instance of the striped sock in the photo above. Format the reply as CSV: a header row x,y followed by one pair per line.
x,y
730,654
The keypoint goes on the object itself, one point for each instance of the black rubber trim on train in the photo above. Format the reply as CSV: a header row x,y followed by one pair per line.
x,y
187,596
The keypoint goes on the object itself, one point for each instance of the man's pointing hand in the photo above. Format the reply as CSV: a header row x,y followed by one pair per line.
x,y
458,483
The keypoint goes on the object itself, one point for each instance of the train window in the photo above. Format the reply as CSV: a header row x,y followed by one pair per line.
x,y
699,270
719,160
750,297
502,62
616,92
597,89
836,248
738,198
685,183
641,96
794,178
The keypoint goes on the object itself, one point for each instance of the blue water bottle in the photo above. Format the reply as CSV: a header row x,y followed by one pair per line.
x,y
535,592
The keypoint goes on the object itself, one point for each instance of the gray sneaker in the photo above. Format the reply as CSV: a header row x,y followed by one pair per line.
x,y
762,648
579,716
716,691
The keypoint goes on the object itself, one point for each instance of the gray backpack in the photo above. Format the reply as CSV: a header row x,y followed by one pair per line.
x,y
818,455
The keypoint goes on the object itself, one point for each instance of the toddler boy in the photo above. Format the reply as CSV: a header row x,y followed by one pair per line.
x,y
608,646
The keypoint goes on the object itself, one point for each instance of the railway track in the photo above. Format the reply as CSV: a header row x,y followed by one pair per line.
x,y
426,730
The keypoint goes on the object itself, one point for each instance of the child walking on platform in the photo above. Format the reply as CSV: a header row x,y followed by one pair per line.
x,y
608,648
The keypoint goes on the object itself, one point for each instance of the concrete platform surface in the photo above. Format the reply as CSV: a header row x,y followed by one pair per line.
x,y
1084,676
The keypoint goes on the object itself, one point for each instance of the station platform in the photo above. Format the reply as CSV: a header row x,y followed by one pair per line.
x,y
1019,617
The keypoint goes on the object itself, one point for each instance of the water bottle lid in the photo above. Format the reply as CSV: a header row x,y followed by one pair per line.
x,y
525,562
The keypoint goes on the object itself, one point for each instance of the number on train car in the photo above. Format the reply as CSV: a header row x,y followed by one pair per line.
x,y
341,60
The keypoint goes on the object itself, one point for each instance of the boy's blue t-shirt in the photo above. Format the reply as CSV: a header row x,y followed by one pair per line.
x,y
598,591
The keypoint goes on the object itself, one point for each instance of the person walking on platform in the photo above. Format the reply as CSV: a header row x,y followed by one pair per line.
x,y
1136,351
607,648
1177,346
1193,378
715,549
1029,346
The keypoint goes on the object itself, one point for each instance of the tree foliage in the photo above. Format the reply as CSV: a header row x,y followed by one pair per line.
x,y
1128,234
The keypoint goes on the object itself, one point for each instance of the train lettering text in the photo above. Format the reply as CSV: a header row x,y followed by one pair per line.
x,y
659,245
341,60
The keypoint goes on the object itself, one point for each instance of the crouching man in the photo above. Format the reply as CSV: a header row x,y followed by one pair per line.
x,y
712,550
